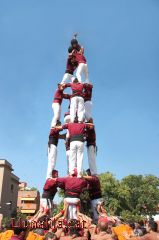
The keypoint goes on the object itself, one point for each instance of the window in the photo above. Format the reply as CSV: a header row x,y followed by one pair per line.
x,y
12,187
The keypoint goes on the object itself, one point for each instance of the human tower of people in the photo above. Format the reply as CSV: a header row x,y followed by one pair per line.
x,y
78,123
79,127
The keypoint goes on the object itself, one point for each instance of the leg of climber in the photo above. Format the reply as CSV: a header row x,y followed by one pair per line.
x,y
57,113
67,78
73,156
80,109
73,108
52,156
85,73
88,110
91,149
79,72
80,153
91,153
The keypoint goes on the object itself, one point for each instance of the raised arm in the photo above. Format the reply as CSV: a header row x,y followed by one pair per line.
x,y
71,53
62,136
65,85
89,178
58,128
66,96
65,126
60,182
81,50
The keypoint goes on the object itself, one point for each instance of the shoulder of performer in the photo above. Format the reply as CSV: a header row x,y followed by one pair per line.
x,y
65,126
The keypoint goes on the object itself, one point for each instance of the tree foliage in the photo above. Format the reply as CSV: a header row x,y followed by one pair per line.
x,y
134,197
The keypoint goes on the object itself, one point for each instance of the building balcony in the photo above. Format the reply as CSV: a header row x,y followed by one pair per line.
x,y
28,206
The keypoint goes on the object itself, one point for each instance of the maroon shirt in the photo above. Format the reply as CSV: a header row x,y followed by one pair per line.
x,y
77,89
80,58
94,188
91,137
73,186
76,131
71,65
50,188
88,92
59,95
54,136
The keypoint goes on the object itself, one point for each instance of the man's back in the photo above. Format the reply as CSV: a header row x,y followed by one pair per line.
x,y
148,236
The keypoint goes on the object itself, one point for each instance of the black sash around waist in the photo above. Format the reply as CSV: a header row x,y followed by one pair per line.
x,y
77,137
58,99
53,141
72,193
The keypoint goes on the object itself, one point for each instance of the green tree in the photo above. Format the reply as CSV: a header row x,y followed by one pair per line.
x,y
110,185
134,197
143,196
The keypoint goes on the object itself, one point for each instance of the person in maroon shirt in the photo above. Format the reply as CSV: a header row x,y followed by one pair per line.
x,y
56,105
88,100
77,133
71,65
46,201
95,193
82,68
91,148
54,137
50,187
73,187
77,99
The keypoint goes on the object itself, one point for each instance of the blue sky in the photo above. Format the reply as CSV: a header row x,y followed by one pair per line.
x,y
121,46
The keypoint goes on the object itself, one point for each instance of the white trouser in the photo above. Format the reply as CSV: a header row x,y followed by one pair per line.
x,y
67,156
88,109
52,156
77,105
67,77
91,153
57,113
67,151
94,204
76,156
72,208
45,205
82,69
